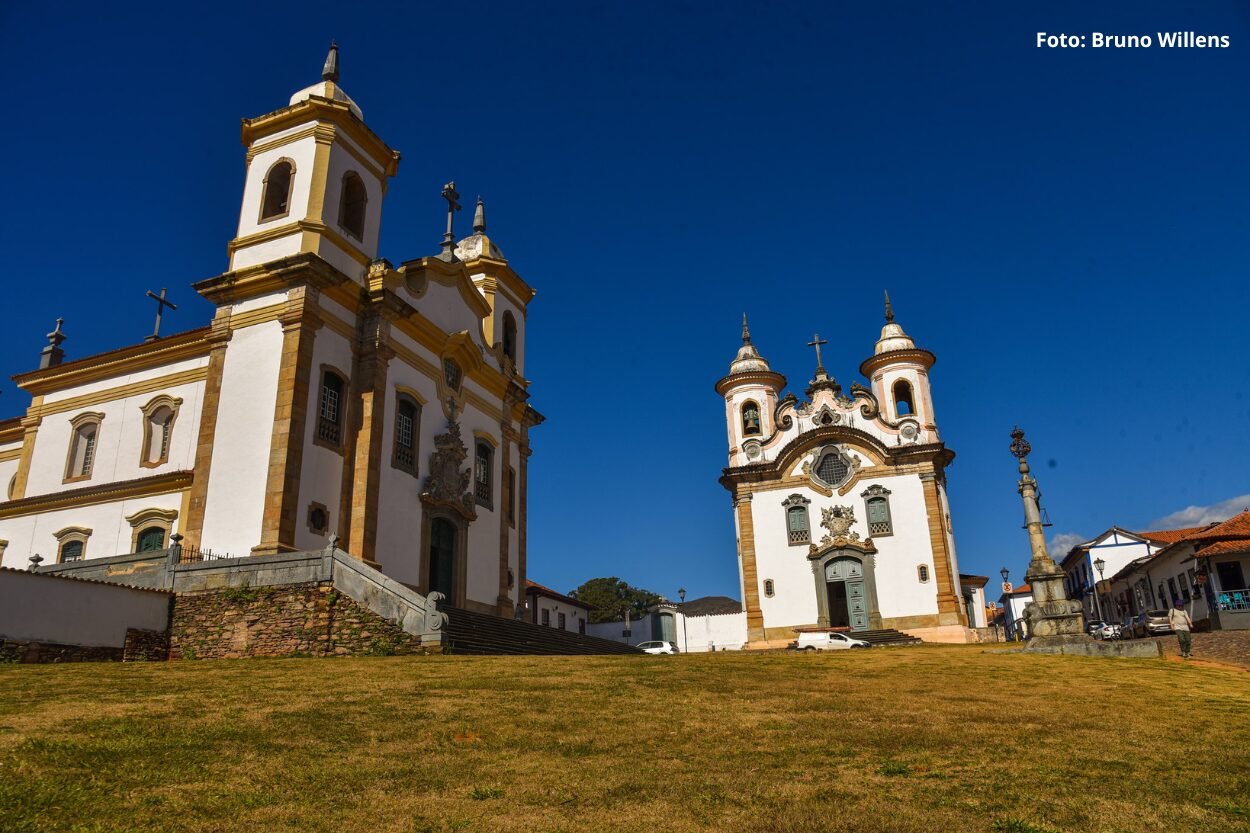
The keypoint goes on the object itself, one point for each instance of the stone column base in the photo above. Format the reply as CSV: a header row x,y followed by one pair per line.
x,y
1086,646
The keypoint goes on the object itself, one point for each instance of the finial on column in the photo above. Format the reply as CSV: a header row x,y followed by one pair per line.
x,y
330,72
889,310
53,354
746,333
479,216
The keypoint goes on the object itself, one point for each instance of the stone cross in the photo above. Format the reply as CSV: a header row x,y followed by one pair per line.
x,y
161,303
816,342
453,205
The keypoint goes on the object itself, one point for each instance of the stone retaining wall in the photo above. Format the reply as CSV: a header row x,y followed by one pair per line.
x,y
310,619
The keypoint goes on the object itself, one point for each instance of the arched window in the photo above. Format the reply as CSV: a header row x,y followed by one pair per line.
x,y
407,425
877,504
71,543
330,410
352,205
158,428
769,590
482,473
798,529
151,539
151,528
509,336
922,572
750,419
276,199
82,446
903,402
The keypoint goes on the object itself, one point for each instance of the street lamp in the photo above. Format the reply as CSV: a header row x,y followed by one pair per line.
x,y
685,639
1004,572
1099,564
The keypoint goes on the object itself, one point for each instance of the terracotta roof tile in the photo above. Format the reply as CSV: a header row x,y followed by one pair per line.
x,y
1238,526
1223,547
1171,536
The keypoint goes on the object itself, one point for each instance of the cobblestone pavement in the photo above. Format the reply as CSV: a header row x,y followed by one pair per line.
x,y
1232,647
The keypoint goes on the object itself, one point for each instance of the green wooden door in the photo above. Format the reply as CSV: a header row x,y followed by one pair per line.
x,y
857,604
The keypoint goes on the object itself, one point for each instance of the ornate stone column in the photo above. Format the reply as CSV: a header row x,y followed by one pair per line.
x,y
1055,621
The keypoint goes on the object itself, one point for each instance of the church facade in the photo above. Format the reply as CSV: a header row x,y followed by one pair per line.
x,y
840,501
334,397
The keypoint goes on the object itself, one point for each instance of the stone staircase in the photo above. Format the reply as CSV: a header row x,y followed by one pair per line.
x,y
887,638
467,632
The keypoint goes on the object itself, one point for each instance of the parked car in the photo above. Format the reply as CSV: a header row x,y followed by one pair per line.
x,y
1108,631
658,647
824,641
1126,628
1092,628
1151,623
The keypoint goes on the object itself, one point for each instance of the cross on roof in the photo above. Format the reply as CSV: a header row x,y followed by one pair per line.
x,y
816,342
161,303
453,205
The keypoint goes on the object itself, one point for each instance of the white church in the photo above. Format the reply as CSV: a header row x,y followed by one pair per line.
x,y
840,501
333,396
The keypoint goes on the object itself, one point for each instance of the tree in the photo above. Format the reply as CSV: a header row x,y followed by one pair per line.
x,y
610,597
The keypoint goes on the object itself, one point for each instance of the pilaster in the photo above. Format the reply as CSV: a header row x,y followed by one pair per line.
x,y
750,576
362,492
30,429
300,323
191,525
950,611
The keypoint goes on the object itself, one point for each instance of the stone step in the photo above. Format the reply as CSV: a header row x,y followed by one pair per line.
x,y
468,632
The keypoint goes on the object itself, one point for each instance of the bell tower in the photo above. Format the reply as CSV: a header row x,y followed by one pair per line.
x,y
899,372
751,390
316,176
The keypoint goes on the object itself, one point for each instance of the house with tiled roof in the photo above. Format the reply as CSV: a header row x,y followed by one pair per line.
x,y
1089,566
1205,568
550,608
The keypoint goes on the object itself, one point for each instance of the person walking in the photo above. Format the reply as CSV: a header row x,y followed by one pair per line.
x,y
1179,619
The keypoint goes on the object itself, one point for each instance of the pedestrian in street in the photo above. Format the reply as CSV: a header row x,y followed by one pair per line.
x,y
1179,619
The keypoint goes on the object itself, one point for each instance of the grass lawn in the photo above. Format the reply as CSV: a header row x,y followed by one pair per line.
x,y
911,739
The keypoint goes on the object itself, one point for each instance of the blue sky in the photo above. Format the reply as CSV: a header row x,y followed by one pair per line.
x,y
1066,229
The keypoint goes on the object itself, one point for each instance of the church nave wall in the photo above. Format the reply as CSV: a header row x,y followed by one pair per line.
x,y
110,533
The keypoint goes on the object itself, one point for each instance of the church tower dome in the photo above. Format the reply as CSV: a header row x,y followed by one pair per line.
x,y
899,373
751,391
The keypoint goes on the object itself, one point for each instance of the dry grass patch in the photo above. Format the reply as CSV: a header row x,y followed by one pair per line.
x,y
917,739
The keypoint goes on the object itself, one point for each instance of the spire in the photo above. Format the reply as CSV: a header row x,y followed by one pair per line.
x,y
479,216
746,333
330,72
889,310
53,354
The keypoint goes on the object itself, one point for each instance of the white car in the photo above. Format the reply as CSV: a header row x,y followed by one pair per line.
x,y
823,641
658,647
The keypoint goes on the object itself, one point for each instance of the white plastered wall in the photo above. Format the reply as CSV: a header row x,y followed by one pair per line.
x,y
32,607
119,439
245,417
